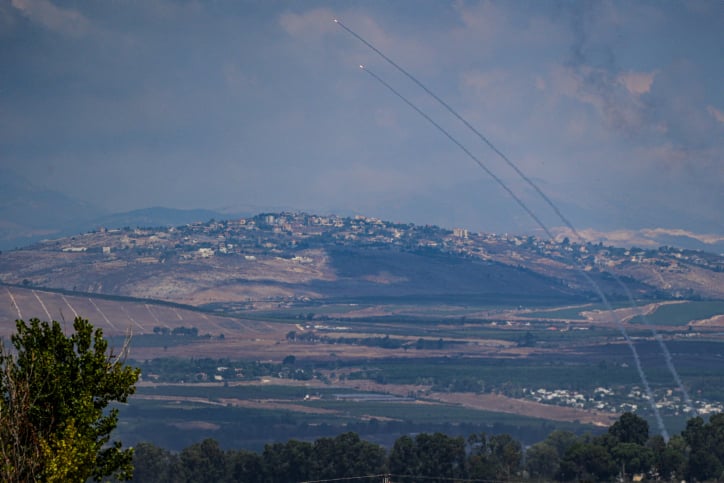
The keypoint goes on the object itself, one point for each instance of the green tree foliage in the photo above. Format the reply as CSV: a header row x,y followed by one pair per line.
x,y
669,459
630,428
561,441
57,389
440,455
344,456
152,464
498,457
541,461
403,459
244,466
617,455
428,455
586,462
632,458
706,445
287,461
203,462
626,442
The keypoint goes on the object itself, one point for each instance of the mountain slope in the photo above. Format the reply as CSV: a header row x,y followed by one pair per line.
x,y
290,257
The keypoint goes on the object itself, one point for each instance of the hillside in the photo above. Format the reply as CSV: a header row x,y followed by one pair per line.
x,y
294,258
459,326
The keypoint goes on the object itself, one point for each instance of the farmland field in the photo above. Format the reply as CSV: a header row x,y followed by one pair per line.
x,y
457,365
683,313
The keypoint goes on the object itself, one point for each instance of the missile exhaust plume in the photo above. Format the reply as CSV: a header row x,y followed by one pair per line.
x,y
549,202
459,145
601,295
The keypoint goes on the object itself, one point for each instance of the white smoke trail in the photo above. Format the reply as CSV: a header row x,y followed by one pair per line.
x,y
547,199
602,296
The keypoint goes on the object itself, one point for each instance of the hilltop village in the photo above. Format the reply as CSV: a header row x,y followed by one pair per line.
x,y
284,234
292,236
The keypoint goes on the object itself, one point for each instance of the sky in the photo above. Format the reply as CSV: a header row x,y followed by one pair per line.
x,y
615,109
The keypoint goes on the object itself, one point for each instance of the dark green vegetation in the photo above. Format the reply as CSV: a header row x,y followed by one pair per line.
x,y
624,451
54,394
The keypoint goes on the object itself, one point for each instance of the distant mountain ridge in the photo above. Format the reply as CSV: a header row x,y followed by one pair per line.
x,y
156,217
29,214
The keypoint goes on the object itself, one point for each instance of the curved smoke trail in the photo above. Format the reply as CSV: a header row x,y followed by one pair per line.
x,y
602,296
553,206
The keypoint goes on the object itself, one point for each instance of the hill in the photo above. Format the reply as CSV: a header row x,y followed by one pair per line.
x,y
269,259
454,326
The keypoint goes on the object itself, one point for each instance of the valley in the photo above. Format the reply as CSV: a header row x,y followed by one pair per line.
x,y
310,325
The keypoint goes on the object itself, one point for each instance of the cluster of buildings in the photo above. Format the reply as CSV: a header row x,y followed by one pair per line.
x,y
281,232
611,400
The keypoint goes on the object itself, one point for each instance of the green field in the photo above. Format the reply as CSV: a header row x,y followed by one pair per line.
x,y
573,313
682,313
175,424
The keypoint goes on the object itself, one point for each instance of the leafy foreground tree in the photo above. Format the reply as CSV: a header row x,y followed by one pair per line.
x,y
54,394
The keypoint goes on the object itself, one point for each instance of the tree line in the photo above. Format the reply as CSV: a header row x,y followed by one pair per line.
x,y
625,452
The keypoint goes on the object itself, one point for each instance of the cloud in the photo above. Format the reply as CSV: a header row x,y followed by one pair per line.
x,y
715,113
485,81
481,20
63,21
613,100
683,162
637,83
496,30
312,23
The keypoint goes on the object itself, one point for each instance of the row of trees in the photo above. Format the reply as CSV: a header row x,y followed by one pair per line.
x,y
624,452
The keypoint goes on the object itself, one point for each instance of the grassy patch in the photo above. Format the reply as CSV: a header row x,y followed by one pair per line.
x,y
683,313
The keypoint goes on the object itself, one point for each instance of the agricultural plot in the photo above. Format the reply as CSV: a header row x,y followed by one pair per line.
x,y
684,313
249,417
449,366
116,316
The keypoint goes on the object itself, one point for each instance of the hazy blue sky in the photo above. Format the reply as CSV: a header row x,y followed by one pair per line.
x,y
615,108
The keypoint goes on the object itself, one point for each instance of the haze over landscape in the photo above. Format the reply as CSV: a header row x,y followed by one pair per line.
x,y
614,108
306,244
